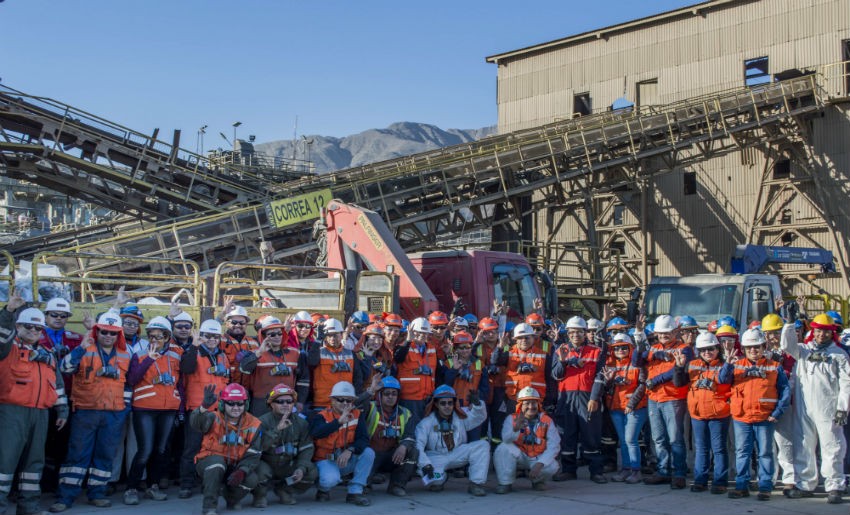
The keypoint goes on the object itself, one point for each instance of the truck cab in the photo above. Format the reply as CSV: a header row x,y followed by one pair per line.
x,y
708,297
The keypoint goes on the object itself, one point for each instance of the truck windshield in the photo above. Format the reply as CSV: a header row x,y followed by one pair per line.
x,y
516,285
704,302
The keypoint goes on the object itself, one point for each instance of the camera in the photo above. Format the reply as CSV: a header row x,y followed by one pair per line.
x,y
341,366
705,384
621,381
41,355
391,432
445,426
755,372
423,370
526,368
281,369
109,372
166,379
219,370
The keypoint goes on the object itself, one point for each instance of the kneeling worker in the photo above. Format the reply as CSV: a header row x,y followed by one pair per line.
x,y
287,450
530,441
231,446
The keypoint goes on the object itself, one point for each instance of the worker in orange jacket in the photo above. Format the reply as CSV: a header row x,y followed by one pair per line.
x,y
330,362
527,363
30,384
231,447
416,362
486,342
235,341
465,372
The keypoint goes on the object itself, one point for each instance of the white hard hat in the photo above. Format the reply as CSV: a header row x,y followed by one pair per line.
x,y
461,322
58,305
110,321
184,317
343,389
706,339
594,324
270,323
621,338
752,338
159,323
523,330
31,316
665,324
576,322
211,326
302,317
527,393
333,326
237,311
421,325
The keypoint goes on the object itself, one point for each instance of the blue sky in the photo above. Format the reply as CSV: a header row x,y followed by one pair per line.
x,y
341,67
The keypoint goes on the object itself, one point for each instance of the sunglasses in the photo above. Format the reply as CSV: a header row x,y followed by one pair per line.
x,y
183,326
156,337
620,348
303,326
709,349
31,327
234,404
439,327
108,333
237,322
284,401
274,334
449,402
357,326
210,336
58,315
344,401
463,347
130,323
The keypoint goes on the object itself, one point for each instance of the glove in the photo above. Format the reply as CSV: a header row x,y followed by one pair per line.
x,y
235,479
572,362
661,355
210,397
41,356
241,355
840,418
474,397
650,384
428,470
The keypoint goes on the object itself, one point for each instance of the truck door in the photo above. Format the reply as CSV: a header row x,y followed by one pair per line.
x,y
759,298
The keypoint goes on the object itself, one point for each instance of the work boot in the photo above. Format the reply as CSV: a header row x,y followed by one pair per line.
x,y
696,487
833,497
436,487
131,497
796,493
564,476
763,495
476,490
678,483
656,479
738,494
155,493
357,500
100,503
718,489
503,489
285,496
397,490
621,476
323,496
599,479
634,478
58,507
260,500
538,486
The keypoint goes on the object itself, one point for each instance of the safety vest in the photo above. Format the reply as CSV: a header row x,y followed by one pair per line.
x,y
232,348
375,422
27,383
534,448
516,381
754,398
416,387
580,379
464,386
99,392
158,388
266,376
707,398
329,447
324,378
228,440
622,389
204,375
655,367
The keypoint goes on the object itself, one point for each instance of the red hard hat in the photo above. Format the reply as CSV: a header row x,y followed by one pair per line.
x,y
374,318
461,338
373,329
392,320
535,320
234,392
438,318
488,324
712,326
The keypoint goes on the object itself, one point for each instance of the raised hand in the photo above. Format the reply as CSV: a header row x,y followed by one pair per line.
x,y
640,322
88,320
229,304
122,297
679,357
16,300
520,422
174,309
210,398
196,338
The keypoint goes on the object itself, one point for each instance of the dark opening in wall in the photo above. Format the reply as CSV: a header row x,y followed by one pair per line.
x,y
690,183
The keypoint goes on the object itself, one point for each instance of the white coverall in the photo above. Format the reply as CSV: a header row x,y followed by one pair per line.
x,y
433,451
822,388
508,456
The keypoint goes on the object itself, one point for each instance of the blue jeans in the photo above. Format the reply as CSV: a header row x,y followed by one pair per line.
x,y
330,474
710,436
667,422
95,435
760,433
628,432
153,430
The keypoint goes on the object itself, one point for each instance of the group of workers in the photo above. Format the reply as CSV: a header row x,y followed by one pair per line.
x,y
309,402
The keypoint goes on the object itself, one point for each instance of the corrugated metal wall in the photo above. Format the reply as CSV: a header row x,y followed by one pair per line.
x,y
698,55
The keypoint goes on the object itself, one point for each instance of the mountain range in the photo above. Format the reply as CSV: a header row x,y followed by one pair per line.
x,y
399,139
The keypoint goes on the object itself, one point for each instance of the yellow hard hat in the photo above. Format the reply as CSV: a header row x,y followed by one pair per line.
x,y
823,321
726,330
771,322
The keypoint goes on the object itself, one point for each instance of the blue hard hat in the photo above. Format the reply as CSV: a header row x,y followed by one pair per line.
x,y
390,382
562,328
360,317
616,322
132,311
471,319
798,324
727,320
444,392
404,324
687,322
650,327
836,317
509,326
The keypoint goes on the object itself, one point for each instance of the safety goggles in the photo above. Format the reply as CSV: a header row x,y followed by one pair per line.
x,y
274,334
183,326
58,315
303,326
31,327
343,401
156,337
210,336
234,404
107,333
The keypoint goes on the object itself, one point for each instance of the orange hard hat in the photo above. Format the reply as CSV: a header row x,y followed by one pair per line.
x,y
488,324
462,338
438,318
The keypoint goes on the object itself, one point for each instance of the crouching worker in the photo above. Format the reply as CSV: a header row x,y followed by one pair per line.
x,y
442,442
230,448
287,460
342,446
530,441
391,435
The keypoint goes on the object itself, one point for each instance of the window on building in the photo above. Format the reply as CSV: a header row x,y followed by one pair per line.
x,y
619,213
581,104
618,245
756,71
690,183
782,169
845,56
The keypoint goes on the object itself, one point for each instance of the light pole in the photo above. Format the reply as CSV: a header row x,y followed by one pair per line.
x,y
235,124
201,132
